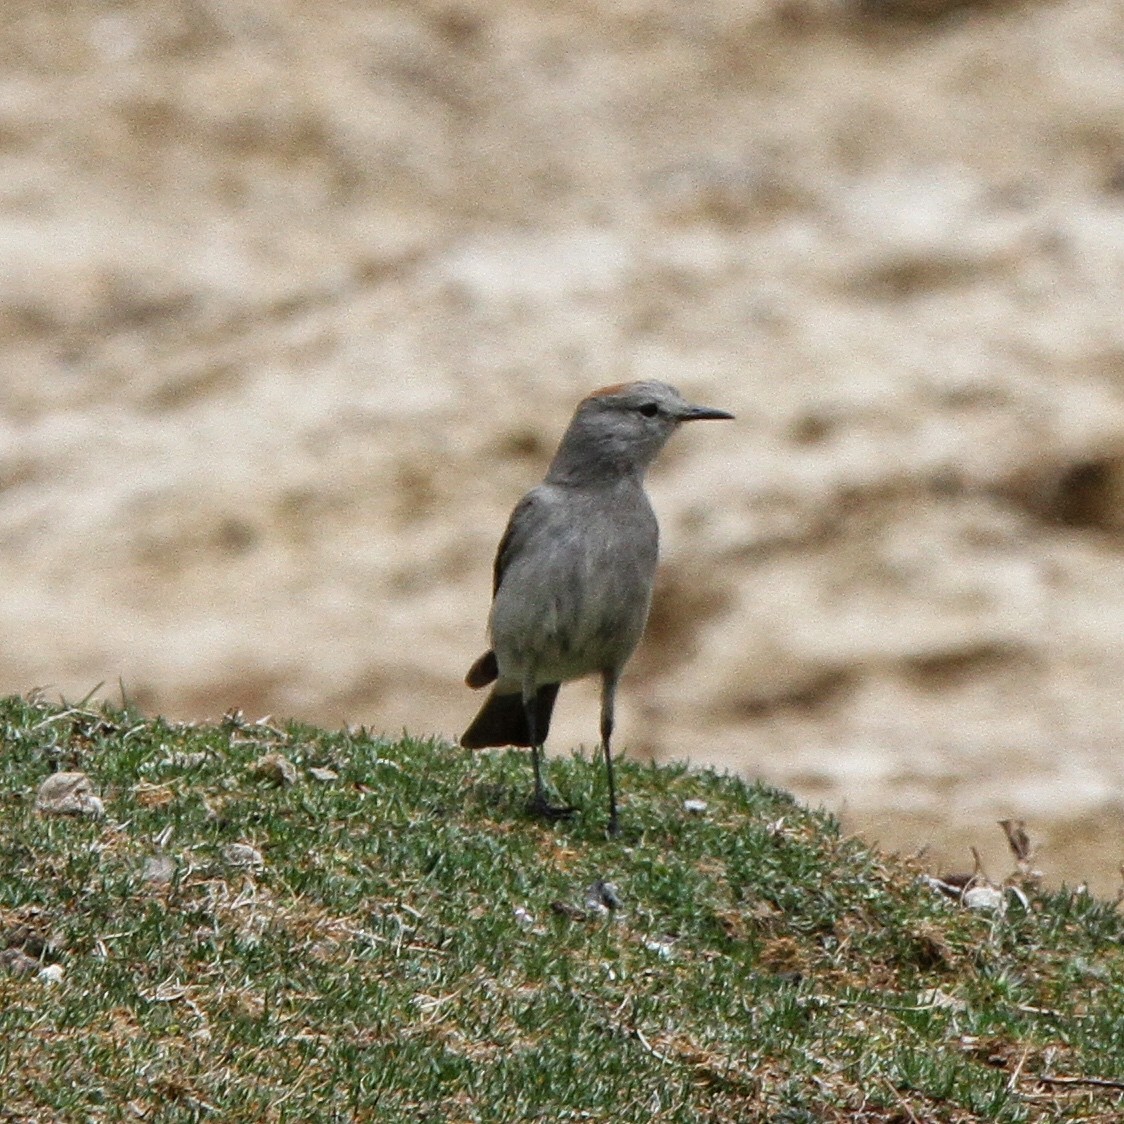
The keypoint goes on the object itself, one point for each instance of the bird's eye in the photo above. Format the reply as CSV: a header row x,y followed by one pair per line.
x,y
649,409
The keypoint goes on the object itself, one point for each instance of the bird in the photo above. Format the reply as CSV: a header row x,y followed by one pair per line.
x,y
573,575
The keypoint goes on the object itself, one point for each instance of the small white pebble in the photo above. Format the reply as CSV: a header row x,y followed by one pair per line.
x,y
68,794
523,918
661,948
159,869
320,774
242,854
51,974
986,898
695,807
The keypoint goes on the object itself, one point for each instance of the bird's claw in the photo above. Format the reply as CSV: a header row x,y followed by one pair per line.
x,y
540,806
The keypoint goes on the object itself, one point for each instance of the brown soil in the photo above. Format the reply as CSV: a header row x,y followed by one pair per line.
x,y
297,298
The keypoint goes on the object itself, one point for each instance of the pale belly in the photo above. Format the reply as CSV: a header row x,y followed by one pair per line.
x,y
583,612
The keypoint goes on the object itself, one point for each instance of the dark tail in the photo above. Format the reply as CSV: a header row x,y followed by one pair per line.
x,y
503,721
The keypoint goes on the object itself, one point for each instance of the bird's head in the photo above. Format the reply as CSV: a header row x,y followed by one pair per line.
x,y
619,429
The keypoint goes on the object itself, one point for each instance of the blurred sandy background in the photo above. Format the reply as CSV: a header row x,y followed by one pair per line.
x,y
296,298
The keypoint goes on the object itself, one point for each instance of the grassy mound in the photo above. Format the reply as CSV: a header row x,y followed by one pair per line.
x,y
281,923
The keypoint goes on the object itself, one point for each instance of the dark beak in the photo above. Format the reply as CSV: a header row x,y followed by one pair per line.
x,y
704,413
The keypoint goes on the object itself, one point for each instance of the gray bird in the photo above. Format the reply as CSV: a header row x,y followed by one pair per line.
x,y
572,581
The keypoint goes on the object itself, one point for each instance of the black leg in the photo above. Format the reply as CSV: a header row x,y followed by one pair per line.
x,y
536,755
540,805
608,699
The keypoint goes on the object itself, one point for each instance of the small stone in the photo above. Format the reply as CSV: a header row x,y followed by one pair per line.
x,y
275,768
602,896
523,918
317,773
159,869
695,807
51,974
242,854
68,794
984,898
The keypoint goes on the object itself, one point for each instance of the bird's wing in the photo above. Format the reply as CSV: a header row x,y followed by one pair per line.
x,y
484,671
519,526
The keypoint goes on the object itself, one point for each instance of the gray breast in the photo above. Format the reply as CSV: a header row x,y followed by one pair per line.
x,y
576,598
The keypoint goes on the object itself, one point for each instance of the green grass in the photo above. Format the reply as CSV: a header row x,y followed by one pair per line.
x,y
761,966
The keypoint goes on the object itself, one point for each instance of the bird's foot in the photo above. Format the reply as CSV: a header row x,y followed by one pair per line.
x,y
539,806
